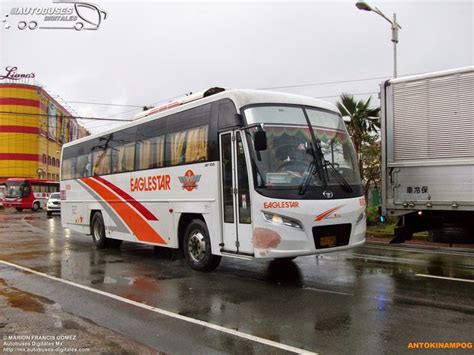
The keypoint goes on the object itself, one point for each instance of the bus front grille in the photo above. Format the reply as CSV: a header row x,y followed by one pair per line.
x,y
332,236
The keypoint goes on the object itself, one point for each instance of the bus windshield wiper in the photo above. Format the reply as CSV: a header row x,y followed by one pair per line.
x,y
312,170
340,179
308,176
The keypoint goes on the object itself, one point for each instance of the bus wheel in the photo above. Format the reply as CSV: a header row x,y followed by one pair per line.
x,y
19,209
36,207
98,231
197,247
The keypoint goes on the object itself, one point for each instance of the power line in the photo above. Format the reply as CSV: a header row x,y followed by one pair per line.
x,y
323,83
331,82
102,104
356,93
66,116
155,103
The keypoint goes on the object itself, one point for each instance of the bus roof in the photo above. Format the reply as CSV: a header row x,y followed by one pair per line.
x,y
240,98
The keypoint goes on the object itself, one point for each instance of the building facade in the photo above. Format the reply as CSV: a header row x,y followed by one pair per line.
x,y
33,127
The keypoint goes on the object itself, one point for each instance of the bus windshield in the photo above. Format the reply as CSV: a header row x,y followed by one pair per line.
x,y
16,189
292,159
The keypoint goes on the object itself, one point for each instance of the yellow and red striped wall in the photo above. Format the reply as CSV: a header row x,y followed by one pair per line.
x,y
26,148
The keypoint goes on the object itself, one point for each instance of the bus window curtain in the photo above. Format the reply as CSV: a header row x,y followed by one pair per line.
x,y
196,147
177,147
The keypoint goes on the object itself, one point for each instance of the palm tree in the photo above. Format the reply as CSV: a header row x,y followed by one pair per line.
x,y
362,121
363,124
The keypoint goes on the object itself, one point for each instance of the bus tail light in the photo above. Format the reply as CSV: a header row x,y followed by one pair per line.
x,y
62,195
282,220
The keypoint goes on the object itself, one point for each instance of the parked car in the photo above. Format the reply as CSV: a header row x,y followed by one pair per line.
x,y
53,204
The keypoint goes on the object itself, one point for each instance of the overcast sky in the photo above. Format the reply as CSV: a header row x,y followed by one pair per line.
x,y
146,52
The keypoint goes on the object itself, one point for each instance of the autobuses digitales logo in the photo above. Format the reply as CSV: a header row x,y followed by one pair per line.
x,y
189,180
69,15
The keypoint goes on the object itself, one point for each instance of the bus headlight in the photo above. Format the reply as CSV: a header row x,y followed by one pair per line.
x,y
360,218
282,220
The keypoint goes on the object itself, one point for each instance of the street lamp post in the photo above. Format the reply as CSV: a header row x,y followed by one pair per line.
x,y
362,5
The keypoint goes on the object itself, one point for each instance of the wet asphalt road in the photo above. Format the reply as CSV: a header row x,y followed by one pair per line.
x,y
369,300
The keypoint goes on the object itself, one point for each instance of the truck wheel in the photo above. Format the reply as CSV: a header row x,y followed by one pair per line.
x,y
19,209
36,207
197,247
98,231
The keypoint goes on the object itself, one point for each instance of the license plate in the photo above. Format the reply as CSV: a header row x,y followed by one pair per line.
x,y
327,241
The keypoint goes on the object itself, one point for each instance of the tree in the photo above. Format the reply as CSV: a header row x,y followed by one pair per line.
x,y
363,124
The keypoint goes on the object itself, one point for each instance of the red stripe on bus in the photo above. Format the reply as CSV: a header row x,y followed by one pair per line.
x,y
19,129
19,156
142,230
327,213
19,102
142,209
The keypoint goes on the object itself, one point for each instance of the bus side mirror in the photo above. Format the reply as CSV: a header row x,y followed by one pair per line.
x,y
260,141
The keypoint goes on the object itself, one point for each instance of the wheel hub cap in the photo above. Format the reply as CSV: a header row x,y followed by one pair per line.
x,y
197,246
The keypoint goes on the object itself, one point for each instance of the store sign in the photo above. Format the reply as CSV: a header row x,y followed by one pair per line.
x,y
11,73
69,15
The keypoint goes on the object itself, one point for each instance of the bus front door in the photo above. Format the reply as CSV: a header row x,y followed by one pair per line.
x,y
235,195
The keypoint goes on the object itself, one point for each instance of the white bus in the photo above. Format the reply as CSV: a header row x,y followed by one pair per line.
x,y
243,173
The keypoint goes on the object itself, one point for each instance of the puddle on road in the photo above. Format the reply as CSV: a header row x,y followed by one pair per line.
x,y
23,300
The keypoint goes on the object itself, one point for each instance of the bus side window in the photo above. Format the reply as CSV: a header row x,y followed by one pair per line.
x,y
150,153
102,162
196,144
83,166
176,144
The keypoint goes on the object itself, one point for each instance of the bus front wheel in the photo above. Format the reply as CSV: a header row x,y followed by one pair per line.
x,y
197,247
35,207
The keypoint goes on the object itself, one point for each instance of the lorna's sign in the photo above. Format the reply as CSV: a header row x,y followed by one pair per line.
x,y
12,74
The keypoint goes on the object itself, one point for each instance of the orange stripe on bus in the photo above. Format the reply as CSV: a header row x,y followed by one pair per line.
x,y
137,224
327,213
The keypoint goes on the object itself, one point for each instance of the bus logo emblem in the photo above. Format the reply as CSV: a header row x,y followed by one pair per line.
x,y
328,194
189,180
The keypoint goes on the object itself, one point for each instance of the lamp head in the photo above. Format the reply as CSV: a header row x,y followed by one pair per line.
x,y
362,5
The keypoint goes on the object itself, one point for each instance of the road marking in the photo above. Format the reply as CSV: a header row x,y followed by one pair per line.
x,y
418,249
327,291
444,278
168,313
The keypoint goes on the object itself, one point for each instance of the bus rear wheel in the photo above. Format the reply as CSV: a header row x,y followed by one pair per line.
x,y
98,233
36,207
197,247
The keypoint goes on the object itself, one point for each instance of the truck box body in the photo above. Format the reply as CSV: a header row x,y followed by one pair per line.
x,y
428,143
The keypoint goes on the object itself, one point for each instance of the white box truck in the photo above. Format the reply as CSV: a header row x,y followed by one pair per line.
x,y
428,154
